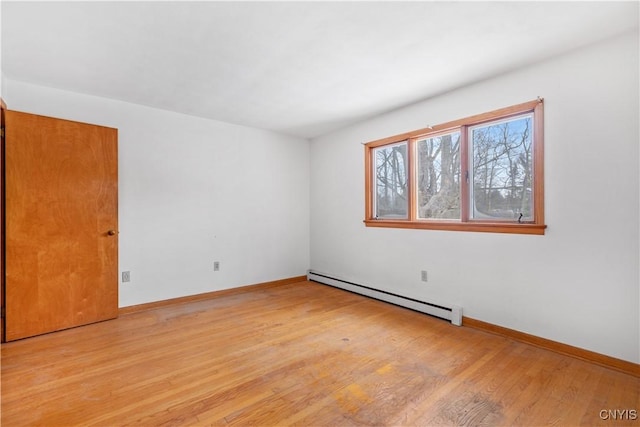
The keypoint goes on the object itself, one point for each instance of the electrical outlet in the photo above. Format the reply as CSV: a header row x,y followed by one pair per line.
x,y
216,266
126,276
423,275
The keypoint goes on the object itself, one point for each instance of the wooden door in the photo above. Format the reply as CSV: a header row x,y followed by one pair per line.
x,y
61,224
3,107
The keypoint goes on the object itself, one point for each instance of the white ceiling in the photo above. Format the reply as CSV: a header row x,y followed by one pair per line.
x,y
300,68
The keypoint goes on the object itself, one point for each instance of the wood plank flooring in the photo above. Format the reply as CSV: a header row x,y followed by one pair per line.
x,y
300,354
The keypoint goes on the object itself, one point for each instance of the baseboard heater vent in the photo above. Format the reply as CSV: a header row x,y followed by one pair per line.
x,y
453,313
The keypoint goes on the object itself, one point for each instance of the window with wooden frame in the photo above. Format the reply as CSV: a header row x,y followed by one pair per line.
x,y
480,173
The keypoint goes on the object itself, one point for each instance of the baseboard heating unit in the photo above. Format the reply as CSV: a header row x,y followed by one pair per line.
x,y
452,313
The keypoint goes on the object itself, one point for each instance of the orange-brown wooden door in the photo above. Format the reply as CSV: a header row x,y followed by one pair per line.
x,y
3,107
61,224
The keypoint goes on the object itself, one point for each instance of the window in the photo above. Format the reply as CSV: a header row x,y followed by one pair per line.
x,y
481,173
439,176
392,199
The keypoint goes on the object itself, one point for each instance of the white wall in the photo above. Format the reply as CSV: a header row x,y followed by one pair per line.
x,y
578,284
192,191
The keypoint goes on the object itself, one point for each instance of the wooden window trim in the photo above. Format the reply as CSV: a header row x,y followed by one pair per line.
x,y
537,226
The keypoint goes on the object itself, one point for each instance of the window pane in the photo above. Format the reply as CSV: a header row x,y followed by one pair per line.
x,y
391,198
502,170
439,177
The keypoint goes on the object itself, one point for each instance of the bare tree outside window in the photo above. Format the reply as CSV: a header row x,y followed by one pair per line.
x,y
392,200
502,170
439,177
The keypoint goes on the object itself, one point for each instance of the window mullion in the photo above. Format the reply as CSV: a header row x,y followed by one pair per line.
x,y
411,182
465,174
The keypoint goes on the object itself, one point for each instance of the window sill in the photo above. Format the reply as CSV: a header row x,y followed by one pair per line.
x,y
484,227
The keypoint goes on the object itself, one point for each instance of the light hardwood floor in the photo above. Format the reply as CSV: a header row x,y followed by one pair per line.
x,y
299,354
